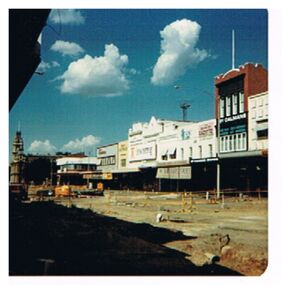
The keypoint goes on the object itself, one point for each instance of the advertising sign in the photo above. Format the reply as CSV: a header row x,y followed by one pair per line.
x,y
206,130
180,172
99,176
143,152
108,150
233,125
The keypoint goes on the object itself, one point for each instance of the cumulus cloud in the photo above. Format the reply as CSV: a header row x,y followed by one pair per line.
x,y
85,144
178,51
66,16
67,48
97,76
44,66
42,147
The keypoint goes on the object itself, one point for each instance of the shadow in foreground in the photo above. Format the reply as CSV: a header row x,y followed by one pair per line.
x,y
49,239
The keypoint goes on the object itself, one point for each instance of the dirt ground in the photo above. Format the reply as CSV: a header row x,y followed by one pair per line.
x,y
232,233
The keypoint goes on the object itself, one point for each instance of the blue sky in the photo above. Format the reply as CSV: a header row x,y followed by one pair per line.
x,y
104,70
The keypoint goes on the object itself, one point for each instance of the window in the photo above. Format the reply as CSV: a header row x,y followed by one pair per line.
x,y
123,162
190,151
266,101
221,107
262,134
210,150
182,153
254,114
235,104
228,106
173,155
234,142
230,143
244,141
266,111
164,157
260,102
226,143
200,151
260,113
254,103
239,142
241,105
221,144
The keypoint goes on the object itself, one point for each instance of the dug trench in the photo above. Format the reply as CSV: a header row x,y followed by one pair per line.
x,y
50,239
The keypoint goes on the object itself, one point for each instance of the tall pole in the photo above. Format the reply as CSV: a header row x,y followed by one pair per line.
x,y
51,174
218,180
88,170
233,49
218,149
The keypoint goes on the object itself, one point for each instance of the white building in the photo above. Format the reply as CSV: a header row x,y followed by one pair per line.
x,y
72,169
108,157
258,121
75,164
161,142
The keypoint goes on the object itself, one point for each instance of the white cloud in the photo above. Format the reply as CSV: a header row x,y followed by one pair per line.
x,y
66,16
178,51
42,147
43,66
85,144
98,76
67,48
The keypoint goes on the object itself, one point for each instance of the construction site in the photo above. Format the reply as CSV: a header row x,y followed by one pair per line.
x,y
141,233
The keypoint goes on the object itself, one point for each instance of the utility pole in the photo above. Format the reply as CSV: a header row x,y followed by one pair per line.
x,y
51,171
218,149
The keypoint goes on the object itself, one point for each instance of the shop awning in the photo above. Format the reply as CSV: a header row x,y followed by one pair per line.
x,y
242,154
163,152
171,150
261,126
179,172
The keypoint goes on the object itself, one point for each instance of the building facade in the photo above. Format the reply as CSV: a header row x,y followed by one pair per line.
x,y
258,121
234,91
18,160
73,170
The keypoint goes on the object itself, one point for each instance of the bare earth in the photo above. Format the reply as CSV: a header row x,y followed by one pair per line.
x,y
234,233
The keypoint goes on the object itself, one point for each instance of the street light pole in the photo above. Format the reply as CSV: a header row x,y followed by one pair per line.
x,y
218,150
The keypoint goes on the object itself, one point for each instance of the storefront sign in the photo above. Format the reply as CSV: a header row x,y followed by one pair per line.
x,y
109,150
180,172
109,160
233,126
99,176
201,160
234,118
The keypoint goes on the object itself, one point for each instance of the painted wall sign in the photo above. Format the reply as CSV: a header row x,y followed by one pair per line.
x,y
143,152
233,126
206,130
180,172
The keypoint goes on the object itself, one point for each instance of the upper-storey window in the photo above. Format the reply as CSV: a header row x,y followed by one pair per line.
x,y
228,106
260,102
221,107
241,102
235,104
210,150
200,151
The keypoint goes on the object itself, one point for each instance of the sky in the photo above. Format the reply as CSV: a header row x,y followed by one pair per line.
x,y
104,70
